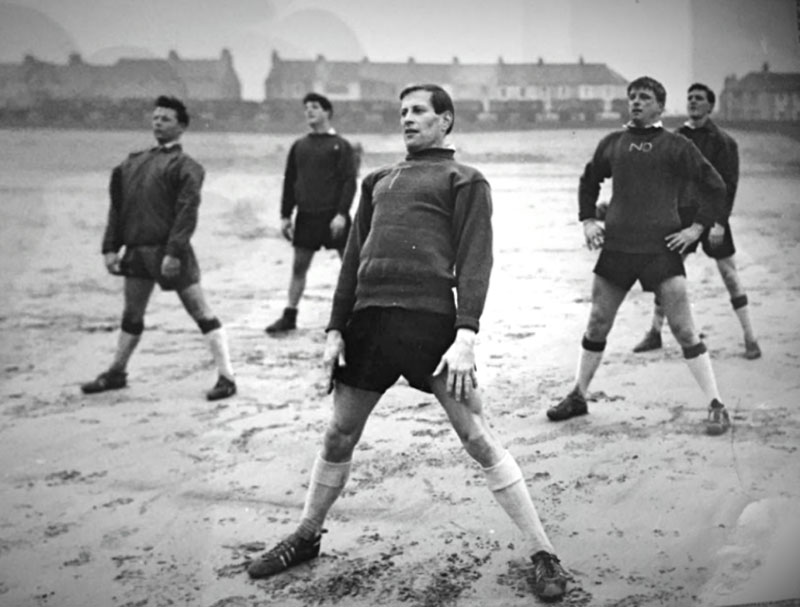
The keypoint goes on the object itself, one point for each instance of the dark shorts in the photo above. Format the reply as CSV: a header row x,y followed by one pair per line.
x,y
726,249
382,344
624,269
312,231
145,262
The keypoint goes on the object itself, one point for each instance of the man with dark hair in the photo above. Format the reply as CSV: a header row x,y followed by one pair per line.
x,y
422,230
320,182
722,152
643,238
155,196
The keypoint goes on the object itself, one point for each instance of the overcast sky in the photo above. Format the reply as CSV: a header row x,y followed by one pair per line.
x,y
676,41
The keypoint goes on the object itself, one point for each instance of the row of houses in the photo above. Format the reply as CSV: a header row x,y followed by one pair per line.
x,y
763,95
32,81
492,92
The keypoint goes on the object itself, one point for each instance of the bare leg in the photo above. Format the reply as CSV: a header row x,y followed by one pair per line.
x,y
193,299
297,283
137,296
606,300
675,299
730,276
351,409
503,475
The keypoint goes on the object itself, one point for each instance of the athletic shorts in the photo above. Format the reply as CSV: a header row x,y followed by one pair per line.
x,y
650,269
145,262
312,231
382,344
726,249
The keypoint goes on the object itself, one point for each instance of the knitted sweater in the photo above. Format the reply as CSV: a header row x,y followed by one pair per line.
x,y
320,176
423,228
721,151
155,196
649,167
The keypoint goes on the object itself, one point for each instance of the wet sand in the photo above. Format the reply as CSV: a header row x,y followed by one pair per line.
x,y
152,496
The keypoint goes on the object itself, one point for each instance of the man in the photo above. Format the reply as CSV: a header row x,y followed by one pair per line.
x,y
722,152
423,228
642,238
155,195
320,181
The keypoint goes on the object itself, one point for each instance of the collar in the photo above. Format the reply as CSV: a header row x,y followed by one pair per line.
x,y
168,147
706,125
658,124
434,153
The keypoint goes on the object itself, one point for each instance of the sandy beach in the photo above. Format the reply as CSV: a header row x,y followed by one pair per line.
x,y
152,496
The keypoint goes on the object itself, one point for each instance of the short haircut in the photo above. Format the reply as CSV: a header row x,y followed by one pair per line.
x,y
440,99
323,101
646,82
699,86
173,103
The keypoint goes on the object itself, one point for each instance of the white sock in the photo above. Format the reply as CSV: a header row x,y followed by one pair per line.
x,y
218,343
700,366
326,483
507,484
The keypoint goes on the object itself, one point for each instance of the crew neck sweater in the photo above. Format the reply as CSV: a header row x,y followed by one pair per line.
x,y
721,150
422,231
649,168
320,175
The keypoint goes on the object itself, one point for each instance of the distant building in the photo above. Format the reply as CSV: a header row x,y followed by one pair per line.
x,y
763,95
24,84
549,89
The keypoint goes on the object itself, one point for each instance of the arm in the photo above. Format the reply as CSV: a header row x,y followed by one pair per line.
x,y
597,170
711,189
346,171
288,202
189,181
344,296
728,167
112,239
472,237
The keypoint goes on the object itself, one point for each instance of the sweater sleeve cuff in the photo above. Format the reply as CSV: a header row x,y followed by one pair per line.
x,y
467,322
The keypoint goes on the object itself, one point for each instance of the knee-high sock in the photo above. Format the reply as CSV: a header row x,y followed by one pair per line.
x,y
326,483
126,344
588,363
218,343
703,373
507,484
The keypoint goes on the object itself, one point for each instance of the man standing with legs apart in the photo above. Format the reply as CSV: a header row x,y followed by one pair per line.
x,y
320,181
643,240
423,228
155,196
722,152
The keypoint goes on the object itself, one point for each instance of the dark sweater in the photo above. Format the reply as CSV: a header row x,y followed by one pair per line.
x,y
320,176
649,167
423,228
721,151
155,196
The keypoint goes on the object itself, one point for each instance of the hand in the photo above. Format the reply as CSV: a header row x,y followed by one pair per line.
x,y
594,234
338,225
286,228
170,267
601,210
716,235
680,241
333,356
111,260
459,360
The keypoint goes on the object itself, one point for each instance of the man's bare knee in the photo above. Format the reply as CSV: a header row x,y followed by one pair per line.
x,y
339,444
